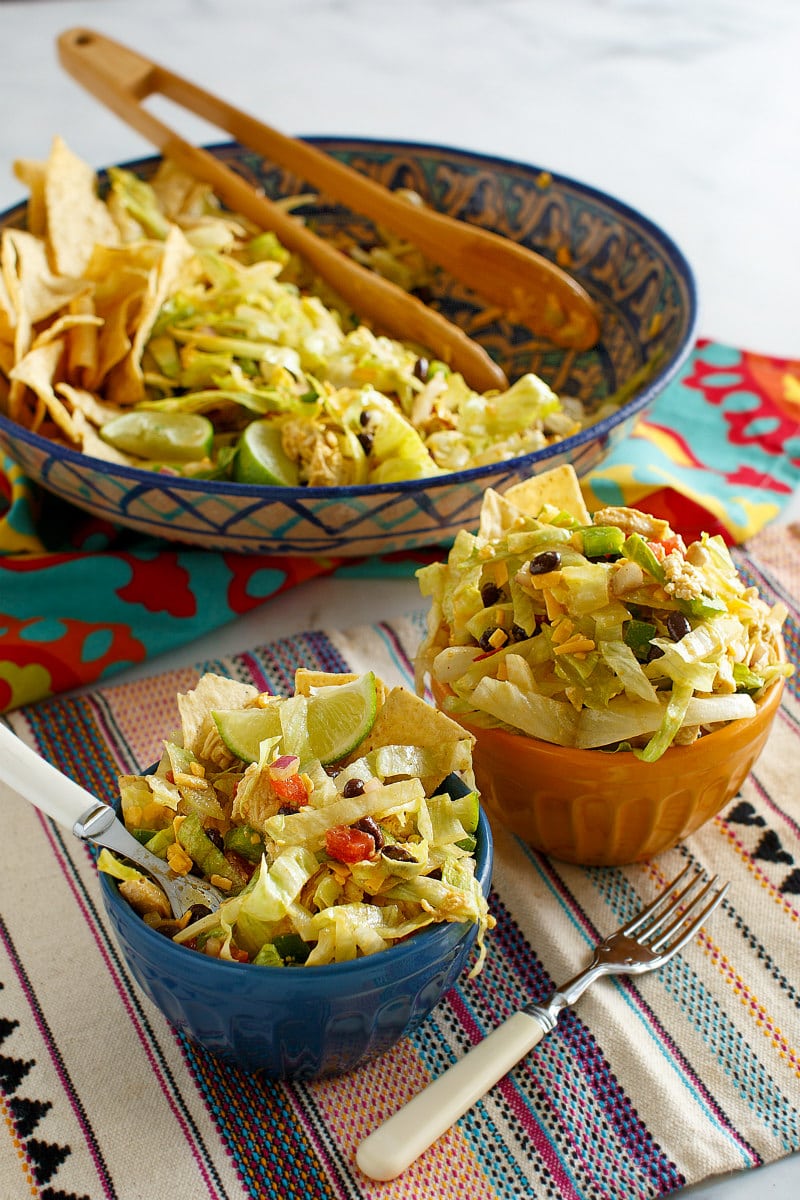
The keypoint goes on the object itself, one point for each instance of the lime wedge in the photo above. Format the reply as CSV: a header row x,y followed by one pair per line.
x,y
243,730
260,457
161,437
340,716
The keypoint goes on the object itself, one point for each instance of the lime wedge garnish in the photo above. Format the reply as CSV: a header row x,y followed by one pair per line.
x,y
161,437
260,457
243,730
340,716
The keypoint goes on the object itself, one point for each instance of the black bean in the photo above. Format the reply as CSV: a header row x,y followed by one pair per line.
x,y
484,642
421,367
370,825
286,809
541,564
215,836
677,626
170,928
353,787
197,911
366,440
397,853
364,417
490,593
654,652
518,634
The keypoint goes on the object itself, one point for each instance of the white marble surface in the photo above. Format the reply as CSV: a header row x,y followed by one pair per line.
x,y
688,111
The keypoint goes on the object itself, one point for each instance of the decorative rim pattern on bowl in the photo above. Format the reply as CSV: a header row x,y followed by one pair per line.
x,y
370,518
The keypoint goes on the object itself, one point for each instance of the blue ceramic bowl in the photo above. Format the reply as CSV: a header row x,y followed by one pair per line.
x,y
639,279
298,1022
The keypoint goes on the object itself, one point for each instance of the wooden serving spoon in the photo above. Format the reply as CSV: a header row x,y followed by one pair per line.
x,y
538,292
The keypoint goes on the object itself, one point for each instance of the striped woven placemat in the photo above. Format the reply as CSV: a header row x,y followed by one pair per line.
x,y
643,1088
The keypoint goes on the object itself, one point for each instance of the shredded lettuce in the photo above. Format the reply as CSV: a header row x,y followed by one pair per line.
x,y
245,332
645,644
336,842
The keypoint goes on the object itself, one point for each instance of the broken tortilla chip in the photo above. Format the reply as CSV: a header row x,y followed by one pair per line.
x,y
33,291
32,174
37,371
406,720
196,707
62,325
93,445
87,403
306,682
77,219
125,384
559,487
82,354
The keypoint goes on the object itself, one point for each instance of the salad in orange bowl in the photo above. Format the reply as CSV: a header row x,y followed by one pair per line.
x,y
620,683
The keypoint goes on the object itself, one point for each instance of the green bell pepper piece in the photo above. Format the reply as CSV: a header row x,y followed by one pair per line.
x,y
208,857
601,541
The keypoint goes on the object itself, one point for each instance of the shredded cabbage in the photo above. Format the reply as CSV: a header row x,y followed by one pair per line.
x,y
243,331
607,634
343,860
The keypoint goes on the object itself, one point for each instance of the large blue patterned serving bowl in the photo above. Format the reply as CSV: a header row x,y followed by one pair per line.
x,y
639,279
300,1022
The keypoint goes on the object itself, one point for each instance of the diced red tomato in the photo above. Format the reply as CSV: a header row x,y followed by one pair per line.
x,y
291,790
662,549
675,543
239,955
348,845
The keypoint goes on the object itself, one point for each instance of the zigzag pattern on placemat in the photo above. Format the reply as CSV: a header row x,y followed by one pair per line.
x,y
40,1159
767,847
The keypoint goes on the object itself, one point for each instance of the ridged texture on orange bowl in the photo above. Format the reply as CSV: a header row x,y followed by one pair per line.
x,y
597,808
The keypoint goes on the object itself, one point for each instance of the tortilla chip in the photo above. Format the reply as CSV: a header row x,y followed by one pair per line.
x,y
77,219
7,359
7,315
83,336
36,371
35,292
406,720
32,175
113,269
87,403
93,445
498,516
62,325
306,682
113,342
125,384
559,486
177,192
195,707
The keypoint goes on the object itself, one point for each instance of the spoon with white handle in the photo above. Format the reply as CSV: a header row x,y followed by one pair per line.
x,y
90,819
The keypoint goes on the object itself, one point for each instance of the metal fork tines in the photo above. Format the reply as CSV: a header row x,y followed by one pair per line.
x,y
651,920
645,942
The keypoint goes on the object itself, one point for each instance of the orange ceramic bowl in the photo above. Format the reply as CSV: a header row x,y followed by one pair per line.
x,y
601,809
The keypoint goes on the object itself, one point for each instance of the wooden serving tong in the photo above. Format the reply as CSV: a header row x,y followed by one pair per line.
x,y
541,295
